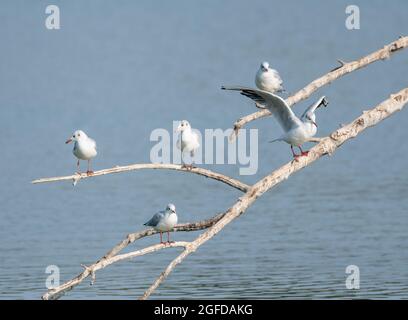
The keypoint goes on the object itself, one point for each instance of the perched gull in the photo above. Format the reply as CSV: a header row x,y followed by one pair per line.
x,y
164,221
188,141
84,148
297,131
268,79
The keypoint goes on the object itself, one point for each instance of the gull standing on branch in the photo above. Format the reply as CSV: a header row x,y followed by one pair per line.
x,y
164,221
188,141
268,79
297,131
84,148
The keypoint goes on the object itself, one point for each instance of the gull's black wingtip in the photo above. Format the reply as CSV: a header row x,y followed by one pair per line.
x,y
325,102
223,88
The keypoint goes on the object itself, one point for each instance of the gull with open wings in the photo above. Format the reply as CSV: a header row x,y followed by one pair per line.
x,y
297,131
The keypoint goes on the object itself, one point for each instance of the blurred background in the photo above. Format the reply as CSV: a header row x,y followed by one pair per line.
x,y
120,69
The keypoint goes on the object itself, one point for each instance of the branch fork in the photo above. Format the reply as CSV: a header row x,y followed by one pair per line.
x,y
212,226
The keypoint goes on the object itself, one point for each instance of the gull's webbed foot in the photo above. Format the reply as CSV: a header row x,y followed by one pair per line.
x,y
296,157
187,166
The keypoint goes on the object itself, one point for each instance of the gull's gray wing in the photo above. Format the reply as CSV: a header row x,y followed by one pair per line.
x,y
92,142
277,75
321,102
275,104
155,219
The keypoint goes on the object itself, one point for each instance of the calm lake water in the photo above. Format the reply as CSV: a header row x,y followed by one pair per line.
x,y
119,70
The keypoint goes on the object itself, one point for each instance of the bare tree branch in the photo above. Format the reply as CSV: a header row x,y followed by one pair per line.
x,y
327,145
167,271
91,270
200,171
215,224
108,258
345,68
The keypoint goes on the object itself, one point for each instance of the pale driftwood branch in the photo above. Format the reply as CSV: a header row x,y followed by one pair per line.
x,y
345,68
91,270
110,257
215,224
167,271
327,145
140,166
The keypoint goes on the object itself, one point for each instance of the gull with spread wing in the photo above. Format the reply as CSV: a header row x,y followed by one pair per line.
x,y
297,131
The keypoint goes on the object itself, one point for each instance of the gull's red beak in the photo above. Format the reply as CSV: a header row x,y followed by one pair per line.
x,y
68,141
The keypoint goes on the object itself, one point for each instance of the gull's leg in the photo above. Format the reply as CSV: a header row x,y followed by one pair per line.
x,y
303,153
168,237
293,153
183,165
78,169
89,172
192,160
161,237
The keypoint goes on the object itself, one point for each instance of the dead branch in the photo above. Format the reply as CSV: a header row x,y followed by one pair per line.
x,y
327,145
91,270
140,166
108,258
